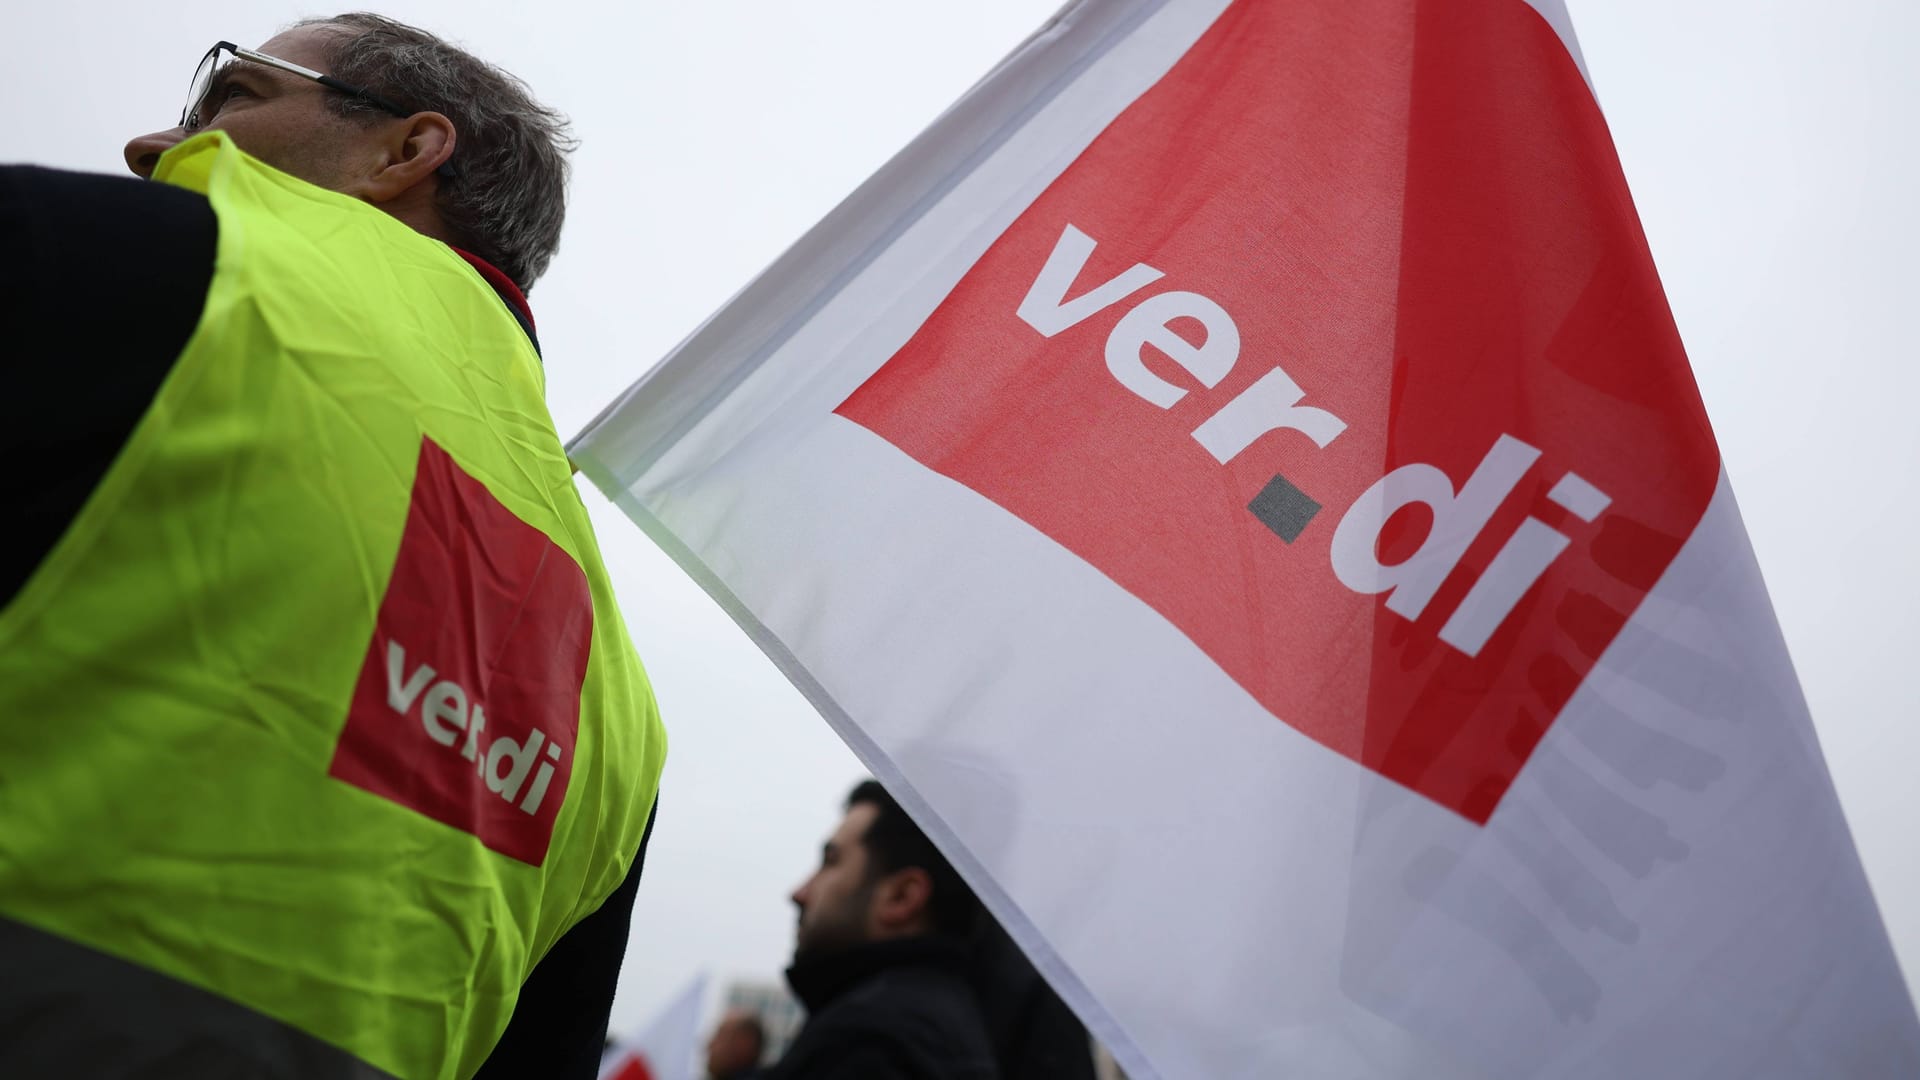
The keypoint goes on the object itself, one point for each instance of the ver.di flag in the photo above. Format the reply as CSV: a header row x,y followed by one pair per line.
x,y
1237,479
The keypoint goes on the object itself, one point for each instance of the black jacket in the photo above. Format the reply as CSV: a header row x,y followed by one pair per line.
x,y
891,1010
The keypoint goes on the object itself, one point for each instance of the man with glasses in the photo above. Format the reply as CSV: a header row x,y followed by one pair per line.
x,y
323,748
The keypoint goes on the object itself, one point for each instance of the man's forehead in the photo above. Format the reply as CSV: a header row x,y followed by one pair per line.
x,y
303,45
853,827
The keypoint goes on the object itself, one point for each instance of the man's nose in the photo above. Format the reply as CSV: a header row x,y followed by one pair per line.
x,y
143,152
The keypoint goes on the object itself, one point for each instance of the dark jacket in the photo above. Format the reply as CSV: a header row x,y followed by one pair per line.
x,y
891,1009
1035,1036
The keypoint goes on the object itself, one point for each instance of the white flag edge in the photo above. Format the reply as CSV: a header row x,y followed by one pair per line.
x,y
738,337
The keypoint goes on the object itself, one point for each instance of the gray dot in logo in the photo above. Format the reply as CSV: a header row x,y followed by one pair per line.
x,y
1283,508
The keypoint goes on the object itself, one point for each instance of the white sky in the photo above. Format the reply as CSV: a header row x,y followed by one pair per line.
x,y
1768,144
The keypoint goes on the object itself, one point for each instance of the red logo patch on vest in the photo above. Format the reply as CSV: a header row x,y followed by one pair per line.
x,y
468,703
1351,363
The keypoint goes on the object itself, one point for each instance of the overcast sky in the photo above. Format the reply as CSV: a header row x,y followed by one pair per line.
x,y
1768,144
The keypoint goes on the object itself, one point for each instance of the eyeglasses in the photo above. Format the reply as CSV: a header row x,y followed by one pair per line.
x,y
210,68
203,77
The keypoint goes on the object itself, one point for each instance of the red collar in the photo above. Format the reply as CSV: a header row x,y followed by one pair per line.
x,y
501,283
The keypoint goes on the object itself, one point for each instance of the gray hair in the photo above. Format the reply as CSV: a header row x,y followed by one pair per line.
x,y
508,192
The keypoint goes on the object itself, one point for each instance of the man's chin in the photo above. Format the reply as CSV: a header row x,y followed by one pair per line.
x,y
806,951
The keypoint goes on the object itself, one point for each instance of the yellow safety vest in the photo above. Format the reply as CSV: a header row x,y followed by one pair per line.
x,y
322,703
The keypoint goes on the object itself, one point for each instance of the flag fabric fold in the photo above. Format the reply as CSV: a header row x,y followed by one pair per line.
x,y
1235,477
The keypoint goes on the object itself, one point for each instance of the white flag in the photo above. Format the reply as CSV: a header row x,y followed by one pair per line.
x,y
669,1047
1236,479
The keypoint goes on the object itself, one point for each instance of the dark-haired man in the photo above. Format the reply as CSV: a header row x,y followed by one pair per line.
x,y
326,750
881,958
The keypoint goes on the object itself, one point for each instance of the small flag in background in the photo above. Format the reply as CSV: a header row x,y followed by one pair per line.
x,y
1237,480
667,1049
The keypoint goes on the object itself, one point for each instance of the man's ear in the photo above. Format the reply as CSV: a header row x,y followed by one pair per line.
x,y
900,902
415,148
